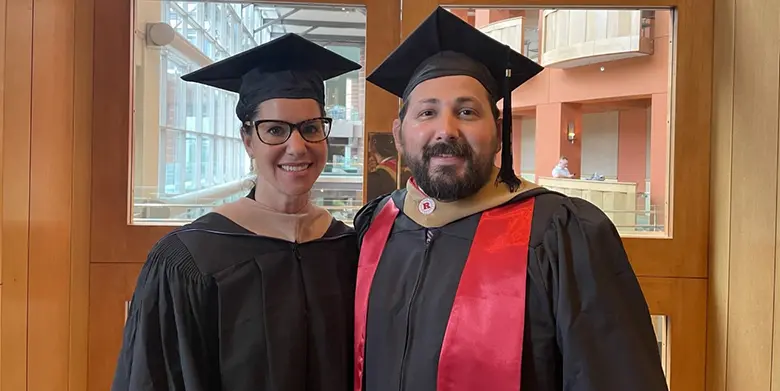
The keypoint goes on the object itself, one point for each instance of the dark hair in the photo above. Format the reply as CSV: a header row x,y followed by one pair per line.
x,y
245,115
384,145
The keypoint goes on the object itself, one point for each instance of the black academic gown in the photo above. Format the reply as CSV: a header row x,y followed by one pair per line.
x,y
587,325
220,308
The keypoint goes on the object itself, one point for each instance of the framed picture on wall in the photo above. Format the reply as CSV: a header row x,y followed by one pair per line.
x,y
382,165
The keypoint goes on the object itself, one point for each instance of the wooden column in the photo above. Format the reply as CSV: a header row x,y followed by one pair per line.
x,y
46,149
744,316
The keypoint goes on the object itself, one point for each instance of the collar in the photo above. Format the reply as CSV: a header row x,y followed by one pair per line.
x,y
431,213
308,225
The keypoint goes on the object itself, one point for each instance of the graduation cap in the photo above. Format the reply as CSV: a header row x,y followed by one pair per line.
x,y
287,67
445,45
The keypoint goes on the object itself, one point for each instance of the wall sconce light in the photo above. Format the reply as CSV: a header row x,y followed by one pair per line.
x,y
570,132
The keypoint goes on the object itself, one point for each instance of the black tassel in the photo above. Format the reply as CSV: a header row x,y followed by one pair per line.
x,y
506,173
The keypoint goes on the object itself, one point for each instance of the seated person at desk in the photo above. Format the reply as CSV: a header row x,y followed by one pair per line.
x,y
561,170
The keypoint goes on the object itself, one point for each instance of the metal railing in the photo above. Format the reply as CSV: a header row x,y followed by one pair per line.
x,y
647,220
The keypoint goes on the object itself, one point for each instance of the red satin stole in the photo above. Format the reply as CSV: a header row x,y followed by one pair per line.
x,y
483,342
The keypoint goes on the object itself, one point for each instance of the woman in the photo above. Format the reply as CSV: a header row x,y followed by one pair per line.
x,y
257,295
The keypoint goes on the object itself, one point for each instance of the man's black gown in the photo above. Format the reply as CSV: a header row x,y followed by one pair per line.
x,y
218,307
587,325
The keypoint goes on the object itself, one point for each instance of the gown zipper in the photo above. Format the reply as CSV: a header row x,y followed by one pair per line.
x,y
429,236
298,258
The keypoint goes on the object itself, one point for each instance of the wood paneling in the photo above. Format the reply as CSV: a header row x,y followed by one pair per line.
x,y
51,172
112,285
16,191
684,302
82,183
45,198
744,319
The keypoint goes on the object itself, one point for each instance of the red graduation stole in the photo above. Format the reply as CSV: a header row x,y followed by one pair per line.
x,y
483,342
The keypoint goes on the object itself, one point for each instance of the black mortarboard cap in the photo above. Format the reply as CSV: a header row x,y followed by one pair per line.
x,y
445,45
287,67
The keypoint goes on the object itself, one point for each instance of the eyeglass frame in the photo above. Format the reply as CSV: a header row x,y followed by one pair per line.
x,y
293,127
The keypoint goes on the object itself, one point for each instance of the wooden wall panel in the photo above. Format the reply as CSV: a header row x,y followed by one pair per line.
x,y
45,194
82,183
720,200
683,301
51,173
16,191
744,319
112,285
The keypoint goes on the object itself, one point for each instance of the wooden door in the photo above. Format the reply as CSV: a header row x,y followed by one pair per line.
x,y
592,102
145,120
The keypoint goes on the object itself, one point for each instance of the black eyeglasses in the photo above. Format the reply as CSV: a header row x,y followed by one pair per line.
x,y
276,132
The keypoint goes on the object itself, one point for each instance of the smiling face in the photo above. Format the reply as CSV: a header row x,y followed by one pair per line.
x,y
291,168
448,135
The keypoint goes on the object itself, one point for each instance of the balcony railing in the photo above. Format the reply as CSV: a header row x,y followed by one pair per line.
x,y
620,201
514,33
573,38
339,190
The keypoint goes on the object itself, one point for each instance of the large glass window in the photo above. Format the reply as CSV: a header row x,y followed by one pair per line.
x,y
595,123
188,152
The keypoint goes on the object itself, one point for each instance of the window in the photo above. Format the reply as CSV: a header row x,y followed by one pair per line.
x,y
188,151
603,101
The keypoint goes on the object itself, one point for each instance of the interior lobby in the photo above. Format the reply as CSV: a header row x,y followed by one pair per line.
x,y
667,113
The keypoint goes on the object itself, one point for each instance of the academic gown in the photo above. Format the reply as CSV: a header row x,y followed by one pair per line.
x,y
587,325
244,299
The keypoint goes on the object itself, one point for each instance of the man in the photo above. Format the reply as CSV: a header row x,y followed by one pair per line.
x,y
382,178
471,279
561,170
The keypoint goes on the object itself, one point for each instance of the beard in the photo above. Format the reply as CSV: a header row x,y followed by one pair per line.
x,y
445,183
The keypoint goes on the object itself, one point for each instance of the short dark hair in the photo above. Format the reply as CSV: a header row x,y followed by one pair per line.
x,y
384,145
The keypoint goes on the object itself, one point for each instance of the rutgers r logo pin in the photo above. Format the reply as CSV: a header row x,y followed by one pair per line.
x,y
426,206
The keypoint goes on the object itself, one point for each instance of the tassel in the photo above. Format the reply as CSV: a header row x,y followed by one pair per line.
x,y
506,173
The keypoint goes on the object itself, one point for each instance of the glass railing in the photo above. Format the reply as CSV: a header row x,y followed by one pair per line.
x,y
343,169
340,192
159,213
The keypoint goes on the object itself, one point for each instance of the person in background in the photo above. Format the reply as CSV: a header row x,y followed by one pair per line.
x,y
382,178
259,294
561,169
471,278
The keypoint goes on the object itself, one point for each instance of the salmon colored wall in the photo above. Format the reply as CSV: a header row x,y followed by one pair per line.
x,y
629,78
659,160
632,147
557,95
484,17
550,145
463,14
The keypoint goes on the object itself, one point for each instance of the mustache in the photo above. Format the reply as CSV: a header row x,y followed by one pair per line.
x,y
453,148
